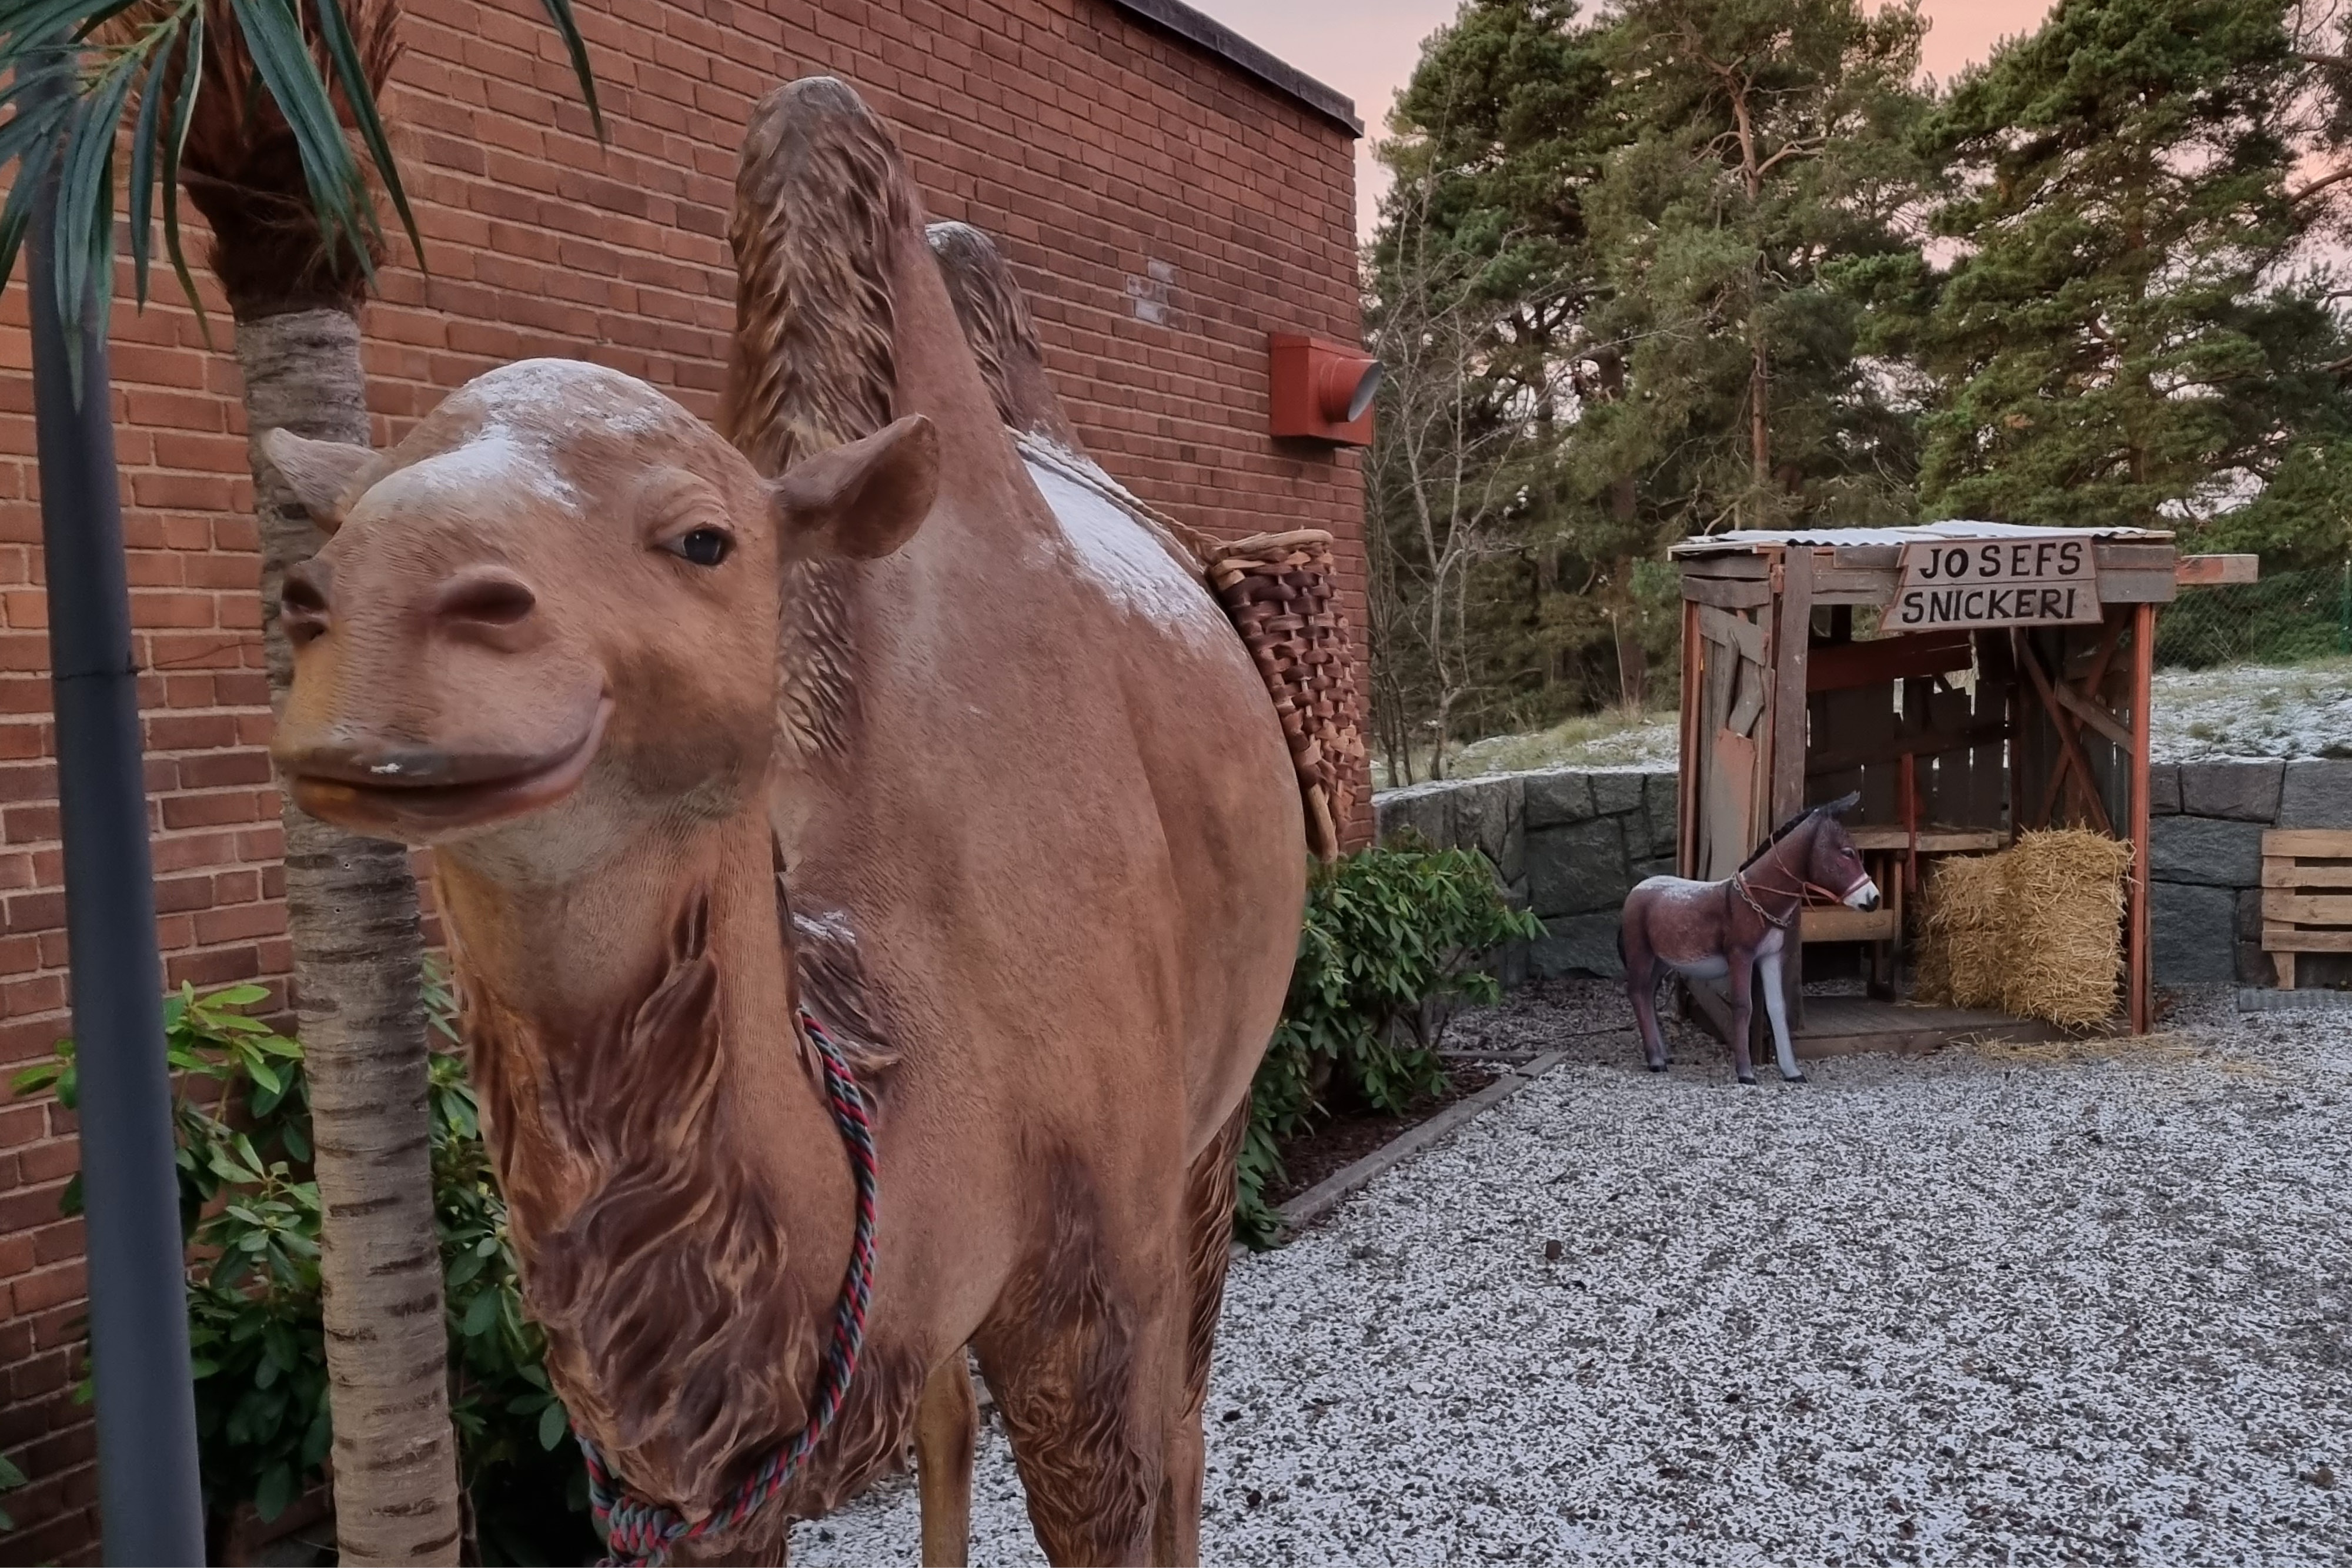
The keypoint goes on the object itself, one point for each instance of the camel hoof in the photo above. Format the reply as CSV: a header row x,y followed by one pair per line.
x,y
1656,1066
1794,1078
1748,1078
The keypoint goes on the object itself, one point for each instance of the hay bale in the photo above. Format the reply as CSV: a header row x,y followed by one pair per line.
x,y
1959,946
2063,957
2036,931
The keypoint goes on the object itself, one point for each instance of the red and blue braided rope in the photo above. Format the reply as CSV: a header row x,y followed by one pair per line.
x,y
641,1534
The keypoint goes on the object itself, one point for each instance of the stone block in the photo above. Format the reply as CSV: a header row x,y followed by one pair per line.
x,y
2190,932
1616,792
1425,808
1661,794
1577,869
1558,797
1486,817
2210,851
2318,794
2241,791
1662,865
1578,946
2163,789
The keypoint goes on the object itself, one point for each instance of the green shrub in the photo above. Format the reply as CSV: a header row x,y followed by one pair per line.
x,y
1389,931
250,1211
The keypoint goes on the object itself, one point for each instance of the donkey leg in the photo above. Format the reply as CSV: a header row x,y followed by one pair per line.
x,y
1208,1244
1776,1008
947,1422
1742,980
1642,985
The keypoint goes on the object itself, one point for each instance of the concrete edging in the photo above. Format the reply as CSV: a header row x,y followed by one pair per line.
x,y
1327,1195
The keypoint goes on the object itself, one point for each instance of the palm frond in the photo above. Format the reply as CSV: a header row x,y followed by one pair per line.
x,y
265,111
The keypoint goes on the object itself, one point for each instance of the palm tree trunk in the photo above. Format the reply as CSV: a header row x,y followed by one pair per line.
x,y
352,911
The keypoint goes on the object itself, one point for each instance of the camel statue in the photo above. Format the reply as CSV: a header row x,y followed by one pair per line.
x,y
847,720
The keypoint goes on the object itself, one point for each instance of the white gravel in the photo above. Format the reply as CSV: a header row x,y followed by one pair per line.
x,y
2087,1304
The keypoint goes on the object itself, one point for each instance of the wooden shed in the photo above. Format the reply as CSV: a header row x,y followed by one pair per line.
x,y
1972,680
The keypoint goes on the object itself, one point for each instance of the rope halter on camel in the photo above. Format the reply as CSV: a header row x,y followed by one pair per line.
x,y
641,1534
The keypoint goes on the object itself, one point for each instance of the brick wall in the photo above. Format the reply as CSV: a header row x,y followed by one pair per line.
x,y
1165,210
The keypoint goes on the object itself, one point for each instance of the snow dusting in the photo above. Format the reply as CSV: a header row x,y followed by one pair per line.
x,y
1124,556
2025,1305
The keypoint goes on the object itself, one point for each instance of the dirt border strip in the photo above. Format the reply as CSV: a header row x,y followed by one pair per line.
x,y
1326,1195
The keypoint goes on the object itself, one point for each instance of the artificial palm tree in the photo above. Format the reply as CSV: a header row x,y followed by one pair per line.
x,y
254,108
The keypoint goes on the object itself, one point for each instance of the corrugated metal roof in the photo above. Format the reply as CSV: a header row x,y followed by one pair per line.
x,y
1748,540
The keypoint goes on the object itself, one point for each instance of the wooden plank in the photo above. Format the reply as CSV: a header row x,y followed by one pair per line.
x,y
1726,593
2070,750
1750,688
1849,925
1866,558
2152,586
2209,570
1730,806
2139,994
2306,909
1862,753
1934,841
2287,873
1744,636
2316,843
2286,940
1883,660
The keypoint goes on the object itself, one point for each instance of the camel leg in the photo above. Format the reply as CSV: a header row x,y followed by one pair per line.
x,y
1776,1008
946,1424
1742,980
1209,1235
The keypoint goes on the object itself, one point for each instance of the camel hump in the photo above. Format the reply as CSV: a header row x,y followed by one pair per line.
x,y
994,315
821,199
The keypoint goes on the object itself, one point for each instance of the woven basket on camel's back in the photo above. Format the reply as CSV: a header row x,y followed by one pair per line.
x,y
1282,591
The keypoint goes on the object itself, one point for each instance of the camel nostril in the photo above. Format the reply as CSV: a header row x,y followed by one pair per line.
x,y
486,597
302,607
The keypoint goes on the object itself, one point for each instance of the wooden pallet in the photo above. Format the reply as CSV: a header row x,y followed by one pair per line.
x,y
2306,895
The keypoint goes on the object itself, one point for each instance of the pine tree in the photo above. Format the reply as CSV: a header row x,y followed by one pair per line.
x,y
2126,337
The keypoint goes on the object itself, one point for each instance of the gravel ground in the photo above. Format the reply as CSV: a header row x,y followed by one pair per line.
x,y
2005,1305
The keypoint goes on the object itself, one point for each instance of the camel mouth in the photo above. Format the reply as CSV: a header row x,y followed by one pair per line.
x,y
418,797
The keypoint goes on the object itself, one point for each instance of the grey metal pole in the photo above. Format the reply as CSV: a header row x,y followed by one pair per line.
x,y
150,1506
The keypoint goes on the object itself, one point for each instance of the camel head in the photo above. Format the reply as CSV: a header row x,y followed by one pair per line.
x,y
549,617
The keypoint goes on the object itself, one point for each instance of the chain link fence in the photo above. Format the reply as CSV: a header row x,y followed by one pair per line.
x,y
2287,618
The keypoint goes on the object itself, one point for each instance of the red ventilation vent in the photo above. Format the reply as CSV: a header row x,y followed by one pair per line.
x,y
1322,390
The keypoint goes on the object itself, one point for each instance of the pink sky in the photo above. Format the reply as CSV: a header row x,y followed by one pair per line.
x,y
1366,49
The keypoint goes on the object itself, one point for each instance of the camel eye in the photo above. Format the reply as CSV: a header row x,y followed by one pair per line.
x,y
703,547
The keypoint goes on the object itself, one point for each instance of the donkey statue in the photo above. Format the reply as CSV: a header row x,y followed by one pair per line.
x,y
1736,929
873,880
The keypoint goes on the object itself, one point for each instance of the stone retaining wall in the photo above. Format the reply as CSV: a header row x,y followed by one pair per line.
x,y
2207,853
1570,844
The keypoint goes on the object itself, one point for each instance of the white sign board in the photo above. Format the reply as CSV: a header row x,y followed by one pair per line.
x,y
2040,580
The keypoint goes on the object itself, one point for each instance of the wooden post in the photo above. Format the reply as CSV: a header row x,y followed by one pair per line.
x,y
1687,763
2136,946
1791,645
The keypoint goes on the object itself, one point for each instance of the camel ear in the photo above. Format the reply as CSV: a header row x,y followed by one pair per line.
x,y
1841,805
861,500
326,478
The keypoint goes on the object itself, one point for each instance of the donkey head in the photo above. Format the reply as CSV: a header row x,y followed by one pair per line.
x,y
1833,863
550,613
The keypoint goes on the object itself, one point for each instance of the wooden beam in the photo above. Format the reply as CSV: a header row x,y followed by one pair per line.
x,y
2095,715
1837,925
2211,571
2142,1002
1742,594
2070,750
1686,763
2137,585
1846,665
2287,873
2307,909
2280,939
1792,653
